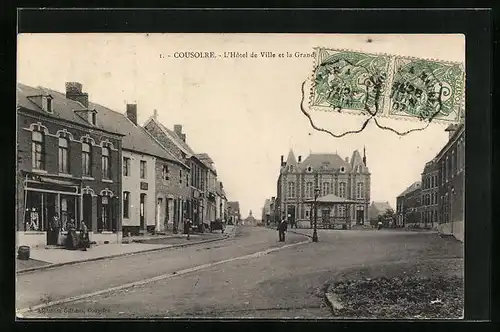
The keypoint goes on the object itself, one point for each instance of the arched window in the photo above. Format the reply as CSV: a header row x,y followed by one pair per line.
x,y
342,187
86,159
63,155
105,161
291,168
38,150
360,190
291,189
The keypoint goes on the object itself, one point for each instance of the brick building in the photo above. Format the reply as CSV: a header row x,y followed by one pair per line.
x,y
451,181
68,163
408,206
332,175
193,203
266,212
429,190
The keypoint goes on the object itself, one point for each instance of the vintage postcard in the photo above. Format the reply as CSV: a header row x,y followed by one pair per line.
x,y
229,176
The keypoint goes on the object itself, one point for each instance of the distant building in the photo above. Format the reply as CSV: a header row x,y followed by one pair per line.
x,y
250,220
233,211
332,175
377,209
451,181
266,212
408,205
429,207
221,203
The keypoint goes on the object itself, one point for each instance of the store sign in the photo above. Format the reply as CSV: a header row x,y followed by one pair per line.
x,y
144,186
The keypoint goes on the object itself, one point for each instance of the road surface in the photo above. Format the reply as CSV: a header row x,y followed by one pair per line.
x,y
224,279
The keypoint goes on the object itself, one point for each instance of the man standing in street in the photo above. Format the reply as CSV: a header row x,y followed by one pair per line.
x,y
282,228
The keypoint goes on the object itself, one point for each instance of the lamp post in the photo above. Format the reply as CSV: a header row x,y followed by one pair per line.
x,y
315,231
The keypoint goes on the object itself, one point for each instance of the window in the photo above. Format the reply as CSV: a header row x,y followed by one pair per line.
x,y
93,119
360,190
63,155
291,189
143,166
447,169
38,150
165,172
342,186
106,174
180,176
126,166
342,211
309,190
442,172
187,180
86,159
126,204
342,169
291,168
307,213
309,169
326,188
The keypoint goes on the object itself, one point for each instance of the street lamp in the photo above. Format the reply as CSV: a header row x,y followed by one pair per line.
x,y
315,232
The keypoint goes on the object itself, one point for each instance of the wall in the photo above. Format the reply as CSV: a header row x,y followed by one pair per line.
x,y
132,184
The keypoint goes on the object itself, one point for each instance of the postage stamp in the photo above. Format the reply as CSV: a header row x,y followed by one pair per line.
x,y
349,81
427,89
388,86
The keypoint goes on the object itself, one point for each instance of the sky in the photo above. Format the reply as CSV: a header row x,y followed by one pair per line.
x,y
244,112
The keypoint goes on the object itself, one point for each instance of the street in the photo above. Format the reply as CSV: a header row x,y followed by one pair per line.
x,y
219,279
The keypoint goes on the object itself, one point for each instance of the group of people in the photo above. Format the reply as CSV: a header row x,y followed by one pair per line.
x,y
73,240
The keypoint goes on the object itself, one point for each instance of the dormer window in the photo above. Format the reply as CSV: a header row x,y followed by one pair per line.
x,y
342,169
291,168
47,103
93,118
309,169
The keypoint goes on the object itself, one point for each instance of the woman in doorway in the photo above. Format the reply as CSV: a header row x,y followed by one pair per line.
x,y
71,239
84,237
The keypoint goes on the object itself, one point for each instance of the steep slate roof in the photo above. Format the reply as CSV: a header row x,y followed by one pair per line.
x,y
62,108
207,161
323,161
134,137
177,139
416,185
381,206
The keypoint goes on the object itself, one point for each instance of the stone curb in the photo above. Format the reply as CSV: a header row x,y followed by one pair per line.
x,y
50,266
299,233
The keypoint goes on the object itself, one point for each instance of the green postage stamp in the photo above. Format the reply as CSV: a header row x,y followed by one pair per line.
x,y
388,86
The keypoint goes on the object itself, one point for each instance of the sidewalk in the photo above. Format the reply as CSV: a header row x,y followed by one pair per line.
x,y
41,258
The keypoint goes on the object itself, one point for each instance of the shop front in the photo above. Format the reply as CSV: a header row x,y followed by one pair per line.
x,y
47,200
50,206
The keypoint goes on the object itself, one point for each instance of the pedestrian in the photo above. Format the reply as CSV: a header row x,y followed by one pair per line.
x,y
54,229
282,228
84,237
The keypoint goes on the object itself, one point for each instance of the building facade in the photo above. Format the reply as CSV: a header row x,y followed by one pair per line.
x,y
221,203
299,178
430,195
451,181
233,211
266,212
68,164
377,209
211,188
408,206
194,205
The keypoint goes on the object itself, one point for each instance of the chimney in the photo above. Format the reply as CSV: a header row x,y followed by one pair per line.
x,y
282,160
183,137
273,199
74,92
300,159
132,113
364,156
155,114
178,130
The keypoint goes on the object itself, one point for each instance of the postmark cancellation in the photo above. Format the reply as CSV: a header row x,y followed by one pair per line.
x,y
383,85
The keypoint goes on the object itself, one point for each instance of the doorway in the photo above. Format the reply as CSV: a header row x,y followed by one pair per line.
x,y
142,212
360,215
291,214
158,213
87,210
